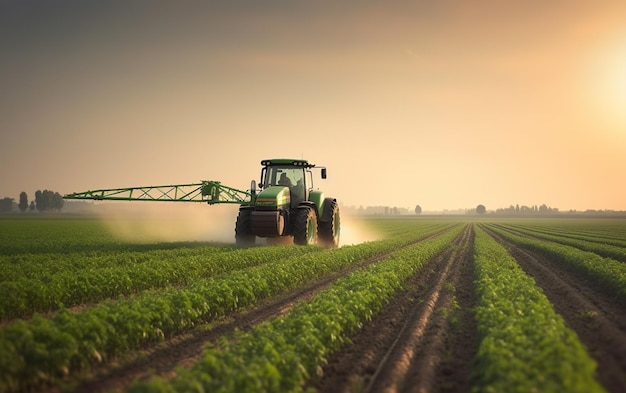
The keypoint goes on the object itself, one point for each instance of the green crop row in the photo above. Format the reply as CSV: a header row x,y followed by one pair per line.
x,y
44,266
600,248
524,345
46,349
609,275
281,354
23,296
612,232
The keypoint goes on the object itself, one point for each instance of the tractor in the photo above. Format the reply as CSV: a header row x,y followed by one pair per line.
x,y
284,205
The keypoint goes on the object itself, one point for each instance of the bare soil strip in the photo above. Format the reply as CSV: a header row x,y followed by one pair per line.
x,y
184,350
413,346
599,321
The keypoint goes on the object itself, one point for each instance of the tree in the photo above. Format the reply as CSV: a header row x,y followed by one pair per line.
x,y
6,205
32,206
58,201
418,209
40,201
23,205
48,200
480,209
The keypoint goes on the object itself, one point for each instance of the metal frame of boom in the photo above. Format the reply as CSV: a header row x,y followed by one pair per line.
x,y
211,192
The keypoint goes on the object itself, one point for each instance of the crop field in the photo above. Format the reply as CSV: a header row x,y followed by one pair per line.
x,y
432,305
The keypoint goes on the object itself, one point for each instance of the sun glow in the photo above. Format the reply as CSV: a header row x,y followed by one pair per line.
x,y
609,85
616,84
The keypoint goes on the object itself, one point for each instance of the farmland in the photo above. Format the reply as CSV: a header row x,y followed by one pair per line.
x,y
435,304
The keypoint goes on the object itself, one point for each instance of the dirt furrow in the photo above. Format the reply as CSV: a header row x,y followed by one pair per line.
x,y
599,321
414,345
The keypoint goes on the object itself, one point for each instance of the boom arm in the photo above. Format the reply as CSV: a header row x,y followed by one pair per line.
x,y
210,192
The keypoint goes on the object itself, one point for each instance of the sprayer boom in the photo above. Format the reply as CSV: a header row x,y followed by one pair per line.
x,y
211,192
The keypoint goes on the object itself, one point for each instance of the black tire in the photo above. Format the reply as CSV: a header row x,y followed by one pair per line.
x,y
243,229
330,227
305,226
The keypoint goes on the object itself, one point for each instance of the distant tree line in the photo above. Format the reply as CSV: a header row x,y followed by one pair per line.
x,y
384,210
377,210
521,210
526,210
45,200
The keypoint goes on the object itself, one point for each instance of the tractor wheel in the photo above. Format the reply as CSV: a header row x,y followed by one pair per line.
x,y
243,229
305,227
329,229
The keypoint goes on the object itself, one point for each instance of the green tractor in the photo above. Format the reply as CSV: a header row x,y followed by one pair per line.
x,y
285,205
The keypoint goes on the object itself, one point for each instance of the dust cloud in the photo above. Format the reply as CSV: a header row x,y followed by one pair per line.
x,y
355,230
171,222
164,222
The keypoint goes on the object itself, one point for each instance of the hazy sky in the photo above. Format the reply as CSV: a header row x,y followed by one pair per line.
x,y
446,104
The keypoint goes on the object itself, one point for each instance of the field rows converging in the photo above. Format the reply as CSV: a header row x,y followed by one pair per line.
x,y
523,341
614,249
434,305
606,231
595,315
50,348
608,274
408,344
283,353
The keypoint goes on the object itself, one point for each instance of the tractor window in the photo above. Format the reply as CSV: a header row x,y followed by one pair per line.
x,y
277,176
289,177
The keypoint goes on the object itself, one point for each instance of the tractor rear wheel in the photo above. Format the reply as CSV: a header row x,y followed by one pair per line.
x,y
243,229
330,228
305,227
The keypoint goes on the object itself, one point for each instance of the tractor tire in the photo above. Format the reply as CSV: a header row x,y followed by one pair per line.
x,y
330,227
243,229
305,227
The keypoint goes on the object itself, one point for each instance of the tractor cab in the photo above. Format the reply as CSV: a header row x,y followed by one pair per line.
x,y
294,174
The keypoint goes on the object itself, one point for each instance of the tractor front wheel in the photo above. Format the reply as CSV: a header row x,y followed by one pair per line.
x,y
305,227
331,226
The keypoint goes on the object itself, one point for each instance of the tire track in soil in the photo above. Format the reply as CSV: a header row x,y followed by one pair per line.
x,y
598,320
412,346
186,349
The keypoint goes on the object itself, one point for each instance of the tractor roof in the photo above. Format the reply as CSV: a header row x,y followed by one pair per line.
x,y
287,161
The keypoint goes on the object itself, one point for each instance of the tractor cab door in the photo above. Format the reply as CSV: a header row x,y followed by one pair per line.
x,y
298,190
